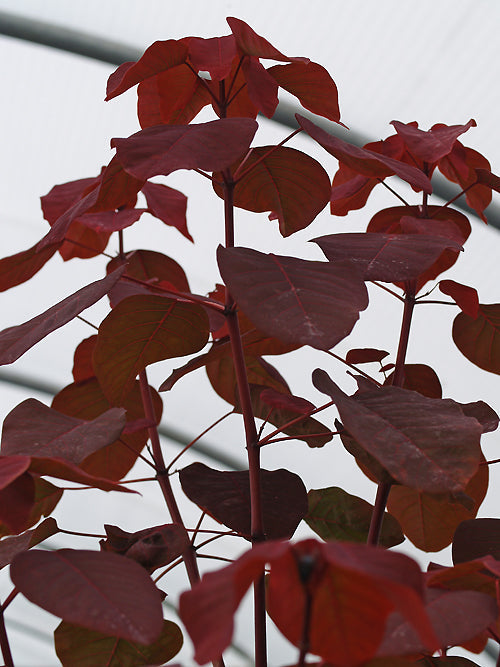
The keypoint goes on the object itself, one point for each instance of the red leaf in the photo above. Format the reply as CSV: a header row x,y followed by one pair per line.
x,y
262,87
62,469
11,546
168,205
433,145
240,104
225,496
17,340
464,296
33,429
16,502
484,414
251,44
214,56
97,590
430,520
478,338
476,538
117,188
386,257
61,197
22,266
312,86
365,355
295,300
276,399
421,378
159,57
140,331
58,230
166,148
424,443
287,182
12,467
175,96
485,177
110,221
82,361
47,497
81,241
363,161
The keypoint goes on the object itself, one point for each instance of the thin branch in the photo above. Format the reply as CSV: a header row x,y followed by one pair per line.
x,y
353,367
82,319
387,289
306,435
396,194
237,179
182,296
270,436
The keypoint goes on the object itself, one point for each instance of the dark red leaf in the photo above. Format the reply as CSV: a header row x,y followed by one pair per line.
x,y
425,443
61,197
421,378
17,340
62,469
484,414
33,429
363,161
251,44
11,546
168,205
434,144
110,221
82,241
276,399
312,86
478,338
82,360
365,355
140,331
159,57
430,520
59,229
97,590
464,296
117,188
152,547
476,538
214,55
46,498
16,502
78,647
166,148
485,177
150,268
175,96
288,183
225,496
335,514
386,257
240,105
261,86
12,467
22,266
295,300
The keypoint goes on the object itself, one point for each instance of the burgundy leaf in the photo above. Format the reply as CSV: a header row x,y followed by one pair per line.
x,y
166,148
478,338
485,177
33,429
312,86
22,266
484,414
424,443
17,340
365,355
168,205
82,359
291,185
110,221
295,300
476,538
62,469
464,296
11,546
421,378
47,496
59,229
226,497
433,145
214,55
386,257
12,467
140,331
97,590
261,86
159,57
363,161
16,502
276,399
117,188
251,44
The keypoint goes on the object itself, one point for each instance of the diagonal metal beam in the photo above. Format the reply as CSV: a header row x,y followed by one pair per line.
x,y
116,53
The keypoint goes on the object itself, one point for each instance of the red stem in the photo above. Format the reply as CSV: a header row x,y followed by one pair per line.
x,y
4,642
384,488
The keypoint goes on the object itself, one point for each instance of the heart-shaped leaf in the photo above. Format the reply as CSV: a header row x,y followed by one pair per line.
x,y
295,300
226,497
478,338
98,590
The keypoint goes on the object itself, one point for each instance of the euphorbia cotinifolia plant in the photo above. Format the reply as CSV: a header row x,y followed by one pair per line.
x,y
341,597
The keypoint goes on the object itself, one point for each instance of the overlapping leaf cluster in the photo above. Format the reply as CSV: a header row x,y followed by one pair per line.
x,y
346,602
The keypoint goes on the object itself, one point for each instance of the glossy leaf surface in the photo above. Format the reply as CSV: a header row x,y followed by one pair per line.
x,y
295,300
140,331
425,443
335,514
17,340
163,149
478,338
226,497
99,591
